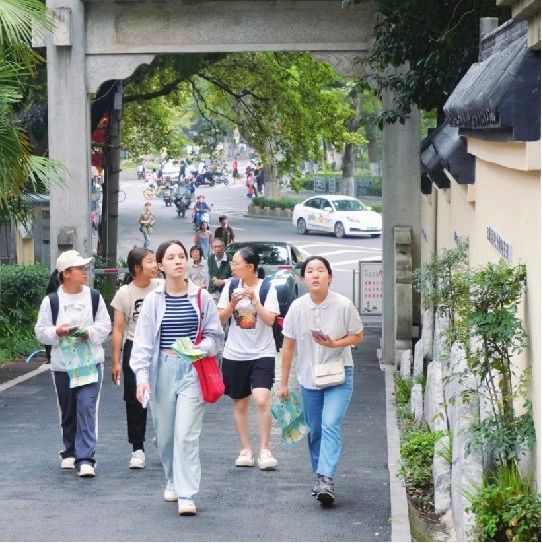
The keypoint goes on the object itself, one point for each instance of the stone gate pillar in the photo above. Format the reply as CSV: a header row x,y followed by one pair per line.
x,y
69,129
401,206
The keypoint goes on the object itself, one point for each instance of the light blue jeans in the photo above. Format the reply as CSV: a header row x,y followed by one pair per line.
x,y
177,412
325,409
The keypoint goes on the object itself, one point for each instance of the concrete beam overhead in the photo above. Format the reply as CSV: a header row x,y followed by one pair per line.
x,y
217,26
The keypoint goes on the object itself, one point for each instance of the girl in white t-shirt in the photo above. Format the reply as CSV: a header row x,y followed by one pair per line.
x,y
248,365
138,282
321,327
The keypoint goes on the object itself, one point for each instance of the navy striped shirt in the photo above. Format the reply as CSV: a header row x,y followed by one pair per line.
x,y
180,320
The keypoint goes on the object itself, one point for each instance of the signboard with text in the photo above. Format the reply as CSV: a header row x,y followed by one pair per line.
x,y
371,288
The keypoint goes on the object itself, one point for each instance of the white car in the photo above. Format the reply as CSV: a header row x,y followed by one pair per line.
x,y
342,215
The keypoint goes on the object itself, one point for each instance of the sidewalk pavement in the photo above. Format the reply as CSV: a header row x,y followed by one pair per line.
x,y
41,502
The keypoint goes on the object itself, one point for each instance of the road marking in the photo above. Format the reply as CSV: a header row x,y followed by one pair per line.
x,y
345,263
324,244
22,378
345,251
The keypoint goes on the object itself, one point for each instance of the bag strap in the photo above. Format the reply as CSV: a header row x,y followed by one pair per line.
x,y
54,301
234,283
95,297
199,335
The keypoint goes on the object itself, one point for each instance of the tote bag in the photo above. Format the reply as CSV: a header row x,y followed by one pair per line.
x,y
209,374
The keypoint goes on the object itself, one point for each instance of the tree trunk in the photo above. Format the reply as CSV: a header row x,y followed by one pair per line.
x,y
272,187
374,157
349,163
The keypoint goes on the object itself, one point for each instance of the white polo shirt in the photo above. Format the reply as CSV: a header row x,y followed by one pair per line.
x,y
336,317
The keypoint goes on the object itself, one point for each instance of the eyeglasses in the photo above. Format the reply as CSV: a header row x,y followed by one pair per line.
x,y
82,269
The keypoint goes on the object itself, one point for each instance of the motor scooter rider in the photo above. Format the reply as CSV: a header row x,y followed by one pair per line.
x,y
200,208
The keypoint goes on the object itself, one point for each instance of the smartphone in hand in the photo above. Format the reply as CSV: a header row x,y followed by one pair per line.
x,y
72,330
318,334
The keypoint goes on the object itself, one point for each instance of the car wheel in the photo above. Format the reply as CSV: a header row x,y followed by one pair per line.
x,y
375,235
339,230
301,226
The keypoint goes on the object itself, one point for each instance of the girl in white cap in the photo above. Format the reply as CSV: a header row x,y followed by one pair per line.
x,y
75,322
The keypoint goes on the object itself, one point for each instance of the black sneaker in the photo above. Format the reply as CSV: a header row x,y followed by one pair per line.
x,y
317,485
326,491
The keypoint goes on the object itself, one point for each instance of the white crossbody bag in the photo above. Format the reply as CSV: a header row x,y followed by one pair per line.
x,y
327,374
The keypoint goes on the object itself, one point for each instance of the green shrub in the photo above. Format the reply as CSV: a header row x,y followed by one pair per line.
x,y
505,507
17,341
403,389
22,289
417,452
282,203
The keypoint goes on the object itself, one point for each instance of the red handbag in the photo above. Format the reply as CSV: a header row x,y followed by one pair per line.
x,y
209,374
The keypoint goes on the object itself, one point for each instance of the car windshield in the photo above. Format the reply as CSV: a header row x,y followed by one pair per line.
x,y
270,255
349,205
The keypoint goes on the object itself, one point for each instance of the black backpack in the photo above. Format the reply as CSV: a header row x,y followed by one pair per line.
x,y
53,300
264,290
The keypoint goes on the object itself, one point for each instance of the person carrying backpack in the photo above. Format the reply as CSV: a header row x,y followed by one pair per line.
x,y
248,365
75,322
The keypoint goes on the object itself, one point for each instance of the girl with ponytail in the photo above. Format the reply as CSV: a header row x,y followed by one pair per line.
x,y
138,282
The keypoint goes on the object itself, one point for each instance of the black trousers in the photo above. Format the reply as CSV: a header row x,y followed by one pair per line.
x,y
136,416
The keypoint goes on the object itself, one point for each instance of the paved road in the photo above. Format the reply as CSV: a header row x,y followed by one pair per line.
x,y
38,501
342,253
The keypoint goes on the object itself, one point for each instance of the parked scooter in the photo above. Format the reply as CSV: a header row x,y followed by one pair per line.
x,y
221,177
205,178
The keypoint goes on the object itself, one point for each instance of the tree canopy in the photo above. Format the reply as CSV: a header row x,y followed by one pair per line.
x,y
435,43
285,104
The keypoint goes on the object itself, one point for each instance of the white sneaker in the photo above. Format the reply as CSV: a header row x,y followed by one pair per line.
x,y
186,507
137,461
68,463
169,492
266,461
245,459
86,470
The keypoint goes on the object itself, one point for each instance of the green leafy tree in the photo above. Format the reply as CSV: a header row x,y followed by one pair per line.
x,y
157,104
20,170
285,105
435,43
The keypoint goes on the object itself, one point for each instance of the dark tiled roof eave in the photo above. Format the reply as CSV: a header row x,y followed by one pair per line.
x,y
502,92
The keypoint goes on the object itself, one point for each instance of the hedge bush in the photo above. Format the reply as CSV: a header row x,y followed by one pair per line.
x,y
21,290
282,203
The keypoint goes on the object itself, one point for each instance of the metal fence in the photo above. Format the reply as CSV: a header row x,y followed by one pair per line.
x,y
365,185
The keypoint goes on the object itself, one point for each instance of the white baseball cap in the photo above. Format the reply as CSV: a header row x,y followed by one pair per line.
x,y
70,258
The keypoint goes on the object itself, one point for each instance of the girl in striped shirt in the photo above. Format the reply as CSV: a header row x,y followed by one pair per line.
x,y
168,313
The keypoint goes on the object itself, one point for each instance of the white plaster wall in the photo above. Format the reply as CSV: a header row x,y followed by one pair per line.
x,y
508,200
428,206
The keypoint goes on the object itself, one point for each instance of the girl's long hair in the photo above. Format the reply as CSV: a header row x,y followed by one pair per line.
x,y
135,258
